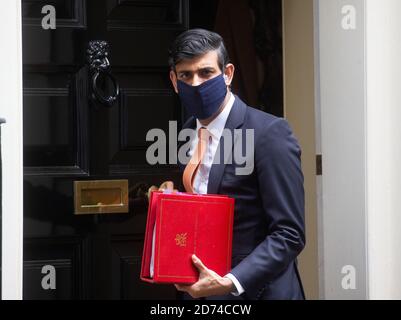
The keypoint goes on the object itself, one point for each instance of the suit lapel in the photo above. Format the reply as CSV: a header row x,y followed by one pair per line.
x,y
235,120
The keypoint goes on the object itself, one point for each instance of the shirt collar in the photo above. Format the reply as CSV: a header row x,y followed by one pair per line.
x,y
216,127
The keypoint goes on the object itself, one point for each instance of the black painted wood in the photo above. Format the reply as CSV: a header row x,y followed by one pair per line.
x,y
68,138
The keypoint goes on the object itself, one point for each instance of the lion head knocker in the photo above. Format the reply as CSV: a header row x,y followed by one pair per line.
x,y
99,65
98,52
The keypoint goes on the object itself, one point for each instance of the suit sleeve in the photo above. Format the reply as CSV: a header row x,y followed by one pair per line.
x,y
280,178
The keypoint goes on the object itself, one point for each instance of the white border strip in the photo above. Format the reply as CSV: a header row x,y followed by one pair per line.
x,y
12,149
384,148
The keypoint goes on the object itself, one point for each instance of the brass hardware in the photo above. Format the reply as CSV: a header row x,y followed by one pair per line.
x,y
101,196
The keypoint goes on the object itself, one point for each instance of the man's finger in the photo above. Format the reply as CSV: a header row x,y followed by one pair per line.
x,y
181,287
152,188
169,185
198,263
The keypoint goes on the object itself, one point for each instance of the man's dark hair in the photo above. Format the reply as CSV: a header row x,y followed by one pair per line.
x,y
196,42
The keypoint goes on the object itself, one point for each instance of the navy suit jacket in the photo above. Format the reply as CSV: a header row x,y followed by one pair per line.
x,y
269,226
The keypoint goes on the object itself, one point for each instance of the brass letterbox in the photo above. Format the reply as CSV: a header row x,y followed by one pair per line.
x,y
101,196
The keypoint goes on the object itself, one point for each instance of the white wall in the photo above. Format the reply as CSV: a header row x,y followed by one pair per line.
x,y
384,147
359,99
341,108
11,109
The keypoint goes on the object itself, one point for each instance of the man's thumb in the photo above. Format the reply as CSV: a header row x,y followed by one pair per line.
x,y
198,263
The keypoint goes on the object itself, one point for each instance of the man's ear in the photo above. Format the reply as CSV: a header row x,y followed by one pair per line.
x,y
229,73
173,78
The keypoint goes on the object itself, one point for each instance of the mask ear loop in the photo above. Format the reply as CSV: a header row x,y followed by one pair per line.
x,y
226,79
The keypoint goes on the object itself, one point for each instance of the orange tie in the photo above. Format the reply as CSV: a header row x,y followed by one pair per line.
x,y
193,164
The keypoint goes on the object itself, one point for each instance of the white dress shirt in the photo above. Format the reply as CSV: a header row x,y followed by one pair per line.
x,y
201,179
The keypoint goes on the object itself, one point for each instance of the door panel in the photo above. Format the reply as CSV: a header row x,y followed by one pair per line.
x,y
55,121
68,137
65,254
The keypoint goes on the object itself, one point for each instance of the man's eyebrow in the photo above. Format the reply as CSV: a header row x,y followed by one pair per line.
x,y
206,68
184,71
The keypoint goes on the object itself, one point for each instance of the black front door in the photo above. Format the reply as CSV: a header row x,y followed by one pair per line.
x,y
69,137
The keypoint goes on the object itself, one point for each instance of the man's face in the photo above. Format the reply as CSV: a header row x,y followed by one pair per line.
x,y
199,69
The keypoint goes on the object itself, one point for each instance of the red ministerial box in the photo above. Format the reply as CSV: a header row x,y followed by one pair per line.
x,y
182,224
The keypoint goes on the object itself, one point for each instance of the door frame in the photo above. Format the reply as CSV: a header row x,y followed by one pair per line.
x,y
341,104
11,87
357,103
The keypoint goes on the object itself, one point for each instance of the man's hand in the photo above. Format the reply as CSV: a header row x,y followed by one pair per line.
x,y
209,283
166,185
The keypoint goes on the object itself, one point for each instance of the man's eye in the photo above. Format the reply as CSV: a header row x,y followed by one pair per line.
x,y
206,73
183,76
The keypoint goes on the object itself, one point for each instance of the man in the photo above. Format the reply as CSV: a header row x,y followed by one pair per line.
x,y
268,232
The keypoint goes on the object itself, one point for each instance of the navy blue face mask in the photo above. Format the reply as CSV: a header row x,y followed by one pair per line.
x,y
204,100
